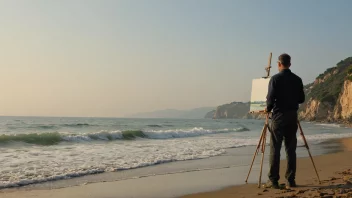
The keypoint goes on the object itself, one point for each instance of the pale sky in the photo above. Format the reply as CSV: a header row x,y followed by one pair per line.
x,y
115,58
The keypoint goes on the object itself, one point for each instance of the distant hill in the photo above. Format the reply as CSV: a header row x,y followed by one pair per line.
x,y
228,111
210,114
174,113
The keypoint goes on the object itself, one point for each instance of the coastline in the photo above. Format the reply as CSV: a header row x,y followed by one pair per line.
x,y
198,181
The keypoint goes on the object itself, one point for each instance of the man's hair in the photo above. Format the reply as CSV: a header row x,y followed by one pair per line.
x,y
285,59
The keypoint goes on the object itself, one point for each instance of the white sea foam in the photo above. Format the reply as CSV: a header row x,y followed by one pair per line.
x,y
194,132
318,138
26,165
330,125
102,135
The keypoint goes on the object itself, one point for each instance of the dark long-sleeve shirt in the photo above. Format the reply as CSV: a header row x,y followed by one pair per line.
x,y
285,92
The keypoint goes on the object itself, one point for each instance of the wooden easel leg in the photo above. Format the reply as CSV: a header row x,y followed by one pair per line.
x,y
256,152
306,145
263,153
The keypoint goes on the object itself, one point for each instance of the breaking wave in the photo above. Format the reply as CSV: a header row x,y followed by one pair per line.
x,y
56,137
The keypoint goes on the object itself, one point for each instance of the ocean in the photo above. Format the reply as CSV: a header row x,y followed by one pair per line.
x,y
40,149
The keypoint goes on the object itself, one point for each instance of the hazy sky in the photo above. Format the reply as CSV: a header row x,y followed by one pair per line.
x,y
114,58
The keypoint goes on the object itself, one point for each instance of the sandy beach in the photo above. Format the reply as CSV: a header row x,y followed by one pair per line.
x,y
333,170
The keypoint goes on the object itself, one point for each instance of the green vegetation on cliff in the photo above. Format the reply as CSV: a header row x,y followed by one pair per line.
x,y
329,84
349,72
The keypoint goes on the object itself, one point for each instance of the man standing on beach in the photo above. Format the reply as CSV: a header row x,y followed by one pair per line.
x,y
284,96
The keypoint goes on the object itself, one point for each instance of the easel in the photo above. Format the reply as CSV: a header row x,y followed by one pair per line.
x,y
267,69
262,139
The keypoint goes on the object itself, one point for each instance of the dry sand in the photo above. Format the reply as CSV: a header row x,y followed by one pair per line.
x,y
333,170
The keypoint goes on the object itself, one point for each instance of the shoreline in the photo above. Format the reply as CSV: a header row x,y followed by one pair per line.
x,y
235,158
198,181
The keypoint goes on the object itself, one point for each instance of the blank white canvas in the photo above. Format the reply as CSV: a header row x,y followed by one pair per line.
x,y
259,93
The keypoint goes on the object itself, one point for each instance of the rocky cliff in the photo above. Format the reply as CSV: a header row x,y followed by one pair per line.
x,y
227,111
343,109
329,97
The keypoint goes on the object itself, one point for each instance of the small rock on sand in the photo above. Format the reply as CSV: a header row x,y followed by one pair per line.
x,y
347,179
342,191
330,192
301,191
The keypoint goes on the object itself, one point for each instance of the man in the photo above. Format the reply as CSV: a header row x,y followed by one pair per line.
x,y
284,96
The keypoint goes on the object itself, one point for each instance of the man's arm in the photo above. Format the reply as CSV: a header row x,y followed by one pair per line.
x,y
302,97
270,98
